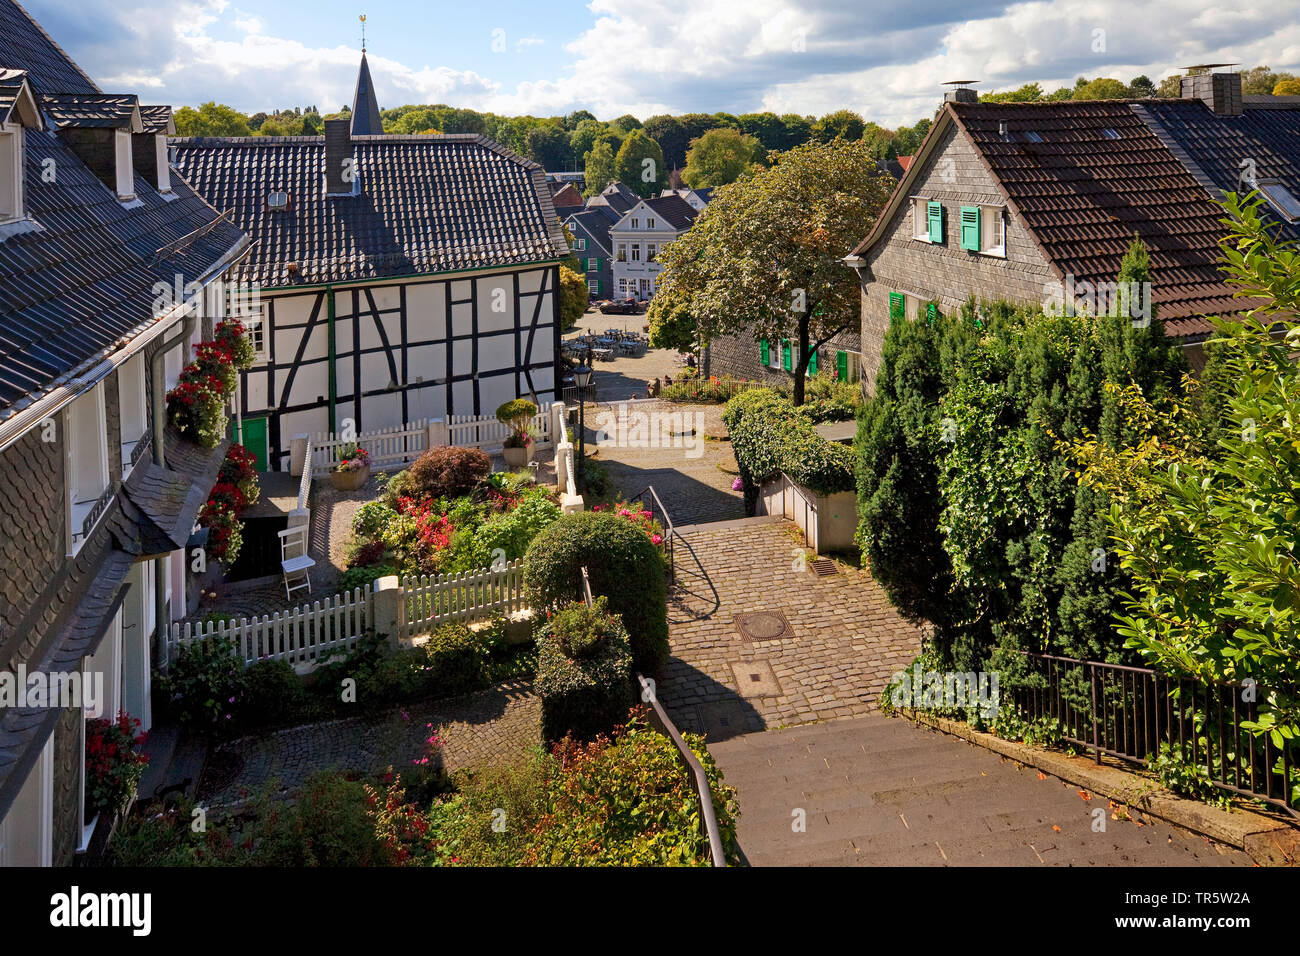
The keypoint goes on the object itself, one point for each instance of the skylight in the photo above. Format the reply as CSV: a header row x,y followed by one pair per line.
x,y
276,200
1033,136
1281,199
1109,133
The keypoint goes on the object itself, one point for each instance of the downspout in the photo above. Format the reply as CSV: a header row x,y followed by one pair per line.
x,y
333,352
157,394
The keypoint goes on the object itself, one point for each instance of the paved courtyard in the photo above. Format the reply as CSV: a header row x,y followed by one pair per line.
x,y
496,726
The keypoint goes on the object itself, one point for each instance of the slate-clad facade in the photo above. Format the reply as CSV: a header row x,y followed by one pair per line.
x,y
424,285
1065,187
99,498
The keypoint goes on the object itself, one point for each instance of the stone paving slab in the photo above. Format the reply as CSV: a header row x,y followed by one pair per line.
x,y
882,792
497,726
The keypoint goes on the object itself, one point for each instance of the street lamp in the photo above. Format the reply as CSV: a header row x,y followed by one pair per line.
x,y
581,379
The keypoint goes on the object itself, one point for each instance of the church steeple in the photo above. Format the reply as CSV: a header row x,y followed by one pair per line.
x,y
365,108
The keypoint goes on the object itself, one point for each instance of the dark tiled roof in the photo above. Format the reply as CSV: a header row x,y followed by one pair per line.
x,y
596,222
1098,176
1087,176
674,210
156,119
1213,146
115,110
24,44
82,280
366,120
617,196
426,204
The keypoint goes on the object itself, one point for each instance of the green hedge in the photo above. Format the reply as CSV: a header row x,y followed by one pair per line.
x,y
622,565
770,436
584,673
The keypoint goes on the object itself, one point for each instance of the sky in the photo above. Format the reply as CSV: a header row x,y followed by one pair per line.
x,y
885,59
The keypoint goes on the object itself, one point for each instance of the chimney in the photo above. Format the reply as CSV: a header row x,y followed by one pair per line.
x,y
1221,92
340,166
962,94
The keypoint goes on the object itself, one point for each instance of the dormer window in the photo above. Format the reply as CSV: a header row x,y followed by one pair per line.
x,y
11,173
277,201
18,112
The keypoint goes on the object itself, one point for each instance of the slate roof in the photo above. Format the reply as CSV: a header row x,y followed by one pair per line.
x,y
107,110
1086,176
426,204
596,221
366,120
11,85
674,210
24,44
1212,147
82,280
157,119
617,196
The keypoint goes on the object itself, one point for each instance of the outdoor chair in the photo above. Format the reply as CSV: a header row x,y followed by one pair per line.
x,y
294,560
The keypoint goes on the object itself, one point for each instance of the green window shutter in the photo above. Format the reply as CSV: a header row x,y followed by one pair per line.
x,y
785,355
764,353
812,362
970,228
896,305
931,312
934,217
842,366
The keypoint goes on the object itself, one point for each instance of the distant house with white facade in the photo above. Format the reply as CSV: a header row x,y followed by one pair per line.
x,y
698,198
638,238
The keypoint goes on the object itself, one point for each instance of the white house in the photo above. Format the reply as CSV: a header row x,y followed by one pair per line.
x,y
638,238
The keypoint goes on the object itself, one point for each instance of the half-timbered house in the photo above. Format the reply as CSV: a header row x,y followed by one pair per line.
x,y
400,277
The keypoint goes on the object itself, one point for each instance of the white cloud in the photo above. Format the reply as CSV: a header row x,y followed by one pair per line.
x,y
880,57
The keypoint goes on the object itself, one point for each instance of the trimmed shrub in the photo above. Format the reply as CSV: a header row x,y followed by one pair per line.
x,y
204,686
448,472
584,675
770,436
455,660
364,576
395,486
622,564
273,694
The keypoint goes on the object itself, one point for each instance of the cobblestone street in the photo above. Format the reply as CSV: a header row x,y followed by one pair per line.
x,y
840,642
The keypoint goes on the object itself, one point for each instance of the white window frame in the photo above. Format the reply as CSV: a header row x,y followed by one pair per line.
x,y
636,252
649,223
621,252
255,331
622,285
636,223
125,172
996,216
651,250
13,205
80,501
593,286
580,244
921,219
41,777
592,265
133,416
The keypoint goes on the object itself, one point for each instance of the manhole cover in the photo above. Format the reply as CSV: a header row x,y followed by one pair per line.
x,y
824,567
762,626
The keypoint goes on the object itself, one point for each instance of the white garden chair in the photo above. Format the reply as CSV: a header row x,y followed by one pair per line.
x,y
294,560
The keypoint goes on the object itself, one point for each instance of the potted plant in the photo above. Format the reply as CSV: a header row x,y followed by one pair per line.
x,y
517,449
113,764
353,469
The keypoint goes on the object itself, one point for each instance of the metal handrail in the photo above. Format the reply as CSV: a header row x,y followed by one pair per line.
x,y
661,720
670,530
708,816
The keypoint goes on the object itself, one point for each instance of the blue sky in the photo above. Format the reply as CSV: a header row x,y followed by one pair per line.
x,y
883,58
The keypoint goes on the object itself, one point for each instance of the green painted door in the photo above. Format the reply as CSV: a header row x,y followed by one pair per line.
x,y
254,439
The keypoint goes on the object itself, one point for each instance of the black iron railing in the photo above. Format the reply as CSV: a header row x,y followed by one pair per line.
x,y
649,501
1129,712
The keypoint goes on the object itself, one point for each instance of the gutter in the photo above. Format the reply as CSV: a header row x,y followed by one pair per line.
x,y
68,387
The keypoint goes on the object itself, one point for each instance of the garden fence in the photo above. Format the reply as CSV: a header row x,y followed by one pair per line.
x,y
402,444
309,634
1129,712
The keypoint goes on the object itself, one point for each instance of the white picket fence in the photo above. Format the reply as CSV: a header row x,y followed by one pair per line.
x,y
402,444
472,596
306,635
302,636
399,445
